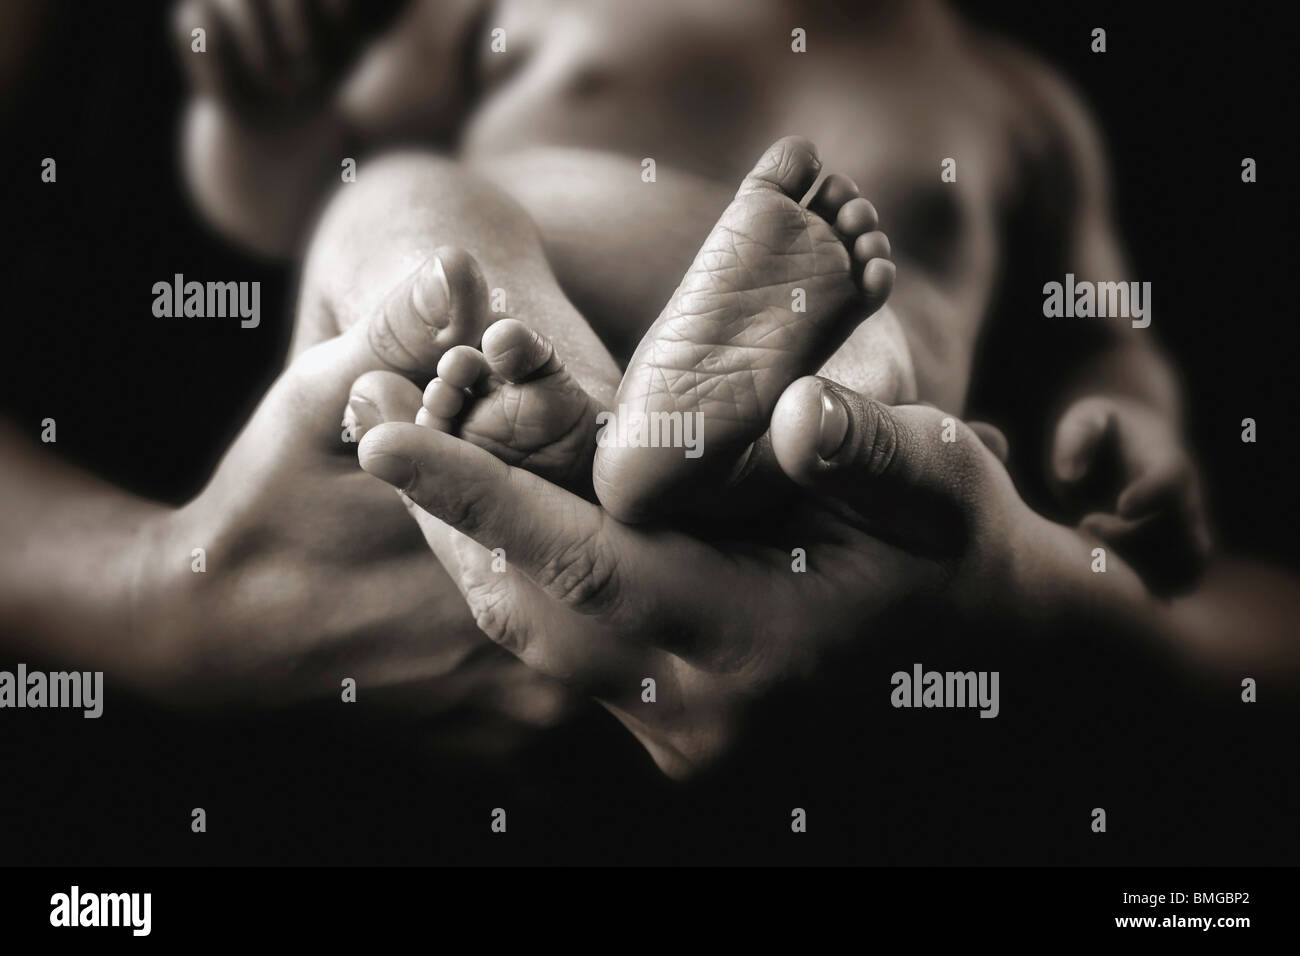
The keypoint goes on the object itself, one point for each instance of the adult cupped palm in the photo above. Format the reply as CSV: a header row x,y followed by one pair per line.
x,y
889,512
312,573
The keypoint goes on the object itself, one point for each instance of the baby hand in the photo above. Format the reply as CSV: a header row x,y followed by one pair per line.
x,y
272,59
1122,462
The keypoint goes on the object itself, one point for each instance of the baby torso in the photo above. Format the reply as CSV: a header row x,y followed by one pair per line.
x,y
912,114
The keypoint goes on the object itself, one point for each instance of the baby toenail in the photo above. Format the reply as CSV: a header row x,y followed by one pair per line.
x,y
834,424
363,412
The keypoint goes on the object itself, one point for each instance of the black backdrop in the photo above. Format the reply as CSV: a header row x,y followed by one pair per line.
x,y
1180,101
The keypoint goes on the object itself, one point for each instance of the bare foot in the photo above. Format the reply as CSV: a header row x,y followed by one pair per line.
x,y
775,289
516,399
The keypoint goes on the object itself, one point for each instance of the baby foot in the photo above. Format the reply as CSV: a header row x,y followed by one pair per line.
x,y
515,399
775,289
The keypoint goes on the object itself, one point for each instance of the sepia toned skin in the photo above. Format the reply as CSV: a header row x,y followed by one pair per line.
x,y
887,92
719,621
312,570
298,530
563,105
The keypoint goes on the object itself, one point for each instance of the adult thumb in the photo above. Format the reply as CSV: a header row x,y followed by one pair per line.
x,y
911,472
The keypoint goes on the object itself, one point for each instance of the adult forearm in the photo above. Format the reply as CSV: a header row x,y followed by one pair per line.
x,y
75,568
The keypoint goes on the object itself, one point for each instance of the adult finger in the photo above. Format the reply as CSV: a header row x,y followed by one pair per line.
x,y
993,438
442,303
556,538
519,615
910,471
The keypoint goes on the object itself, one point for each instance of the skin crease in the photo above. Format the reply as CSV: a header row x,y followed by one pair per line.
x,y
313,570
685,615
313,573
728,341
333,510
312,539
712,691
877,89
720,622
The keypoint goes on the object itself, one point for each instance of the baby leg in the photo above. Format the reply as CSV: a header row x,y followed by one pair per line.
x,y
619,247
386,225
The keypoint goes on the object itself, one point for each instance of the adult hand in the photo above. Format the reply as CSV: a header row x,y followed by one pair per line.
x,y
716,621
311,572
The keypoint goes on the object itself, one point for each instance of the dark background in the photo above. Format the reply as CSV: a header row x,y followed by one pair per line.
x,y
1180,101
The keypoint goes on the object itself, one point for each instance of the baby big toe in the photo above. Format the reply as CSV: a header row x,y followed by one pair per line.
x,y
517,353
462,367
790,165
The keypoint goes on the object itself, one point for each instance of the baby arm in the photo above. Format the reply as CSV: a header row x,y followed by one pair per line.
x,y
1117,452
282,93
1117,456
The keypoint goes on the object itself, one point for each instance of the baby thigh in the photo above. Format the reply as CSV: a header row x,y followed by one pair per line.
x,y
619,238
620,242
404,206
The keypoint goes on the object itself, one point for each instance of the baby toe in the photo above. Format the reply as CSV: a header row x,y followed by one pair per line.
x,y
856,217
517,353
878,279
790,165
443,400
462,367
871,245
835,191
427,419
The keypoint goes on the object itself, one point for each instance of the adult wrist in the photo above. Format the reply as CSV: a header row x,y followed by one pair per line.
x,y
161,619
